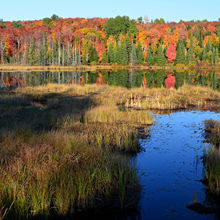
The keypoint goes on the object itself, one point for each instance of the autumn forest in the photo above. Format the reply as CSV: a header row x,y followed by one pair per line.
x,y
119,40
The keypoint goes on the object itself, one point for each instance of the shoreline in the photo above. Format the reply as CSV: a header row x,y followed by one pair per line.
x,y
104,67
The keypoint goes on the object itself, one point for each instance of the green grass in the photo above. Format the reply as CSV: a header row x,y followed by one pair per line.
x,y
212,156
61,170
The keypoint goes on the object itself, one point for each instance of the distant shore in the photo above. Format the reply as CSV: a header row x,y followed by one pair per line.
x,y
104,67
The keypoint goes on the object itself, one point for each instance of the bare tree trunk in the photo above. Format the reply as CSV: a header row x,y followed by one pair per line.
x,y
63,56
2,47
59,53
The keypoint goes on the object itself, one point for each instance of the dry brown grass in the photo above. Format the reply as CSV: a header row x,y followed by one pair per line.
x,y
164,99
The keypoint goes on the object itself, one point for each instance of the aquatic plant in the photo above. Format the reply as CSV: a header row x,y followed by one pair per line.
x,y
212,156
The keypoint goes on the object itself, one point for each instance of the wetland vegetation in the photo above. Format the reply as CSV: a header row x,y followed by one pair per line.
x,y
212,156
67,139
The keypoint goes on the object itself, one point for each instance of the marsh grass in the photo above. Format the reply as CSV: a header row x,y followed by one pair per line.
x,y
61,146
164,99
212,156
53,161
60,173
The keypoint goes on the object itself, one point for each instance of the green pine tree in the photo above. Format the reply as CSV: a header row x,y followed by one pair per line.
x,y
216,56
204,55
149,57
133,57
208,46
140,54
123,54
93,57
201,39
104,57
180,55
160,58
212,58
196,32
190,52
85,58
118,54
128,47
110,54
54,53
31,53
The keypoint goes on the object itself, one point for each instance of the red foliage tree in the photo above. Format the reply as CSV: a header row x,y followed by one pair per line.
x,y
171,53
99,80
170,81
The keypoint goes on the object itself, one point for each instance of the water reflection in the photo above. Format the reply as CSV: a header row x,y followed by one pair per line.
x,y
171,166
123,78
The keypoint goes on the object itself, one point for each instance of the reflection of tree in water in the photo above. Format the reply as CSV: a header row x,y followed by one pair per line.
x,y
137,79
123,78
170,81
92,77
202,80
213,81
189,78
160,77
179,79
119,78
12,80
150,78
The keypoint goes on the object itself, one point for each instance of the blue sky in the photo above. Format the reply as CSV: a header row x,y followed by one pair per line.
x,y
170,10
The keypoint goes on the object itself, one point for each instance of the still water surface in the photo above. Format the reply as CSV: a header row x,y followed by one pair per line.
x,y
170,166
123,78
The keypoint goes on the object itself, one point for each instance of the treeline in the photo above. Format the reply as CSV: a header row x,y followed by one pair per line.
x,y
57,41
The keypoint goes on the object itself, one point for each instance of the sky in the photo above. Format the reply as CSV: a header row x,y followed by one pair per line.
x,y
170,10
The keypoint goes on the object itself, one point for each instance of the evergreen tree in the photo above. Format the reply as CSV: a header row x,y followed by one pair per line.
x,y
133,57
140,54
196,32
208,46
118,54
201,39
212,58
110,54
124,54
129,47
180,55
160,58
93,57
190,52
85,58
149,57
55,53
216,56
31,53
104,57
204,55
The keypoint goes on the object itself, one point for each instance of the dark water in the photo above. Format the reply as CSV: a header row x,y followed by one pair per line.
x,y
171,166
123,78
